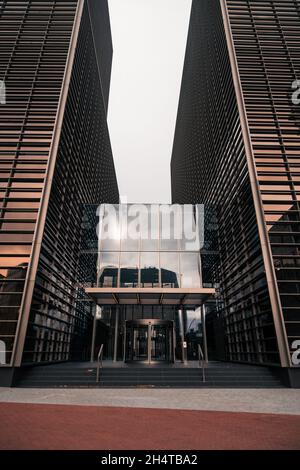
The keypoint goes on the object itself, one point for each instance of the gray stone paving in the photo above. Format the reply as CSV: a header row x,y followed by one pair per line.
x,y
280,401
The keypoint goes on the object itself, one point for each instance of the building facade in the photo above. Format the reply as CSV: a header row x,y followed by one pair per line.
x,y
148,284
237,147
55,61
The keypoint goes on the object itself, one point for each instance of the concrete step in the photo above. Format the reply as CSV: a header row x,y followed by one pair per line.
x,y
158,385
128,373
221,375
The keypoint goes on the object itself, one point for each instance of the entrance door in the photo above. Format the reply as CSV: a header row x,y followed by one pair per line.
x,y
149,341
140,343
160,343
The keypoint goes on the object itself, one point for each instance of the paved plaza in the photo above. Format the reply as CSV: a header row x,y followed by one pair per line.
x,y
69,427
277,401
159,419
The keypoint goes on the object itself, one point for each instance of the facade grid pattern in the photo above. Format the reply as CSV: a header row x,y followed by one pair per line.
x,y
209,166
35,47
266,38
34,44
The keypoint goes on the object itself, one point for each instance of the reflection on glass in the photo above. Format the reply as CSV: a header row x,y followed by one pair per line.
x,y
13,268
193,228
149,269
137,258
109,227
150,228
169,263
190,270
194,332
11,289
130,228
170,227
129,276
108,275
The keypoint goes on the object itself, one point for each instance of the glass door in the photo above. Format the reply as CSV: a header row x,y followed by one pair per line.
x,y
140,343
159,343
149,341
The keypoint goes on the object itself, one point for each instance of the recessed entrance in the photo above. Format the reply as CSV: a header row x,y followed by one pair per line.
x,y
149,325
149,341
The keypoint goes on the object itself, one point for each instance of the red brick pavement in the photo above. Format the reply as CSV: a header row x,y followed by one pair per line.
x,y
59,427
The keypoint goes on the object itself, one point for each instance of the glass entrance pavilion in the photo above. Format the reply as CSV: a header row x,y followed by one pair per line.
x,y
148,293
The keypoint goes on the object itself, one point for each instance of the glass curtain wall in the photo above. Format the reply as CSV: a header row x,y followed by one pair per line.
x,y
149,246
151,253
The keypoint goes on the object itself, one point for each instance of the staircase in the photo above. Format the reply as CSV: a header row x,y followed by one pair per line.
x,y
218,375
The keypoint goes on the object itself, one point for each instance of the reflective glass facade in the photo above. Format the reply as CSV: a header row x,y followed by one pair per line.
x,y
236,148
144,247
126,340
155,257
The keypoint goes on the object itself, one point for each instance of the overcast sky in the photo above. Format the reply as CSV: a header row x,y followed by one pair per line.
x,y
149,39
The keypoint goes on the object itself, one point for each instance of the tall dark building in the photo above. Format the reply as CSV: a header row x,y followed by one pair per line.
x,y
237,148
55,61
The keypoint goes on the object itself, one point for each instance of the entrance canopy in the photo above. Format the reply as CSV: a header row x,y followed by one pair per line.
x,y
150,296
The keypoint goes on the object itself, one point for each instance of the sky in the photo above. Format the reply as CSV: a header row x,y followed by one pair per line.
x,y
149,40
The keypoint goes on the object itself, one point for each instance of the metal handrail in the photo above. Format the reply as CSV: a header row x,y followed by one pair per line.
x,y
99,362
201,361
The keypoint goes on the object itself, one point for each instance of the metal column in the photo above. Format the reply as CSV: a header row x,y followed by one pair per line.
x,y
182,338
116,335
125,340
96,317
204,332
149,342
